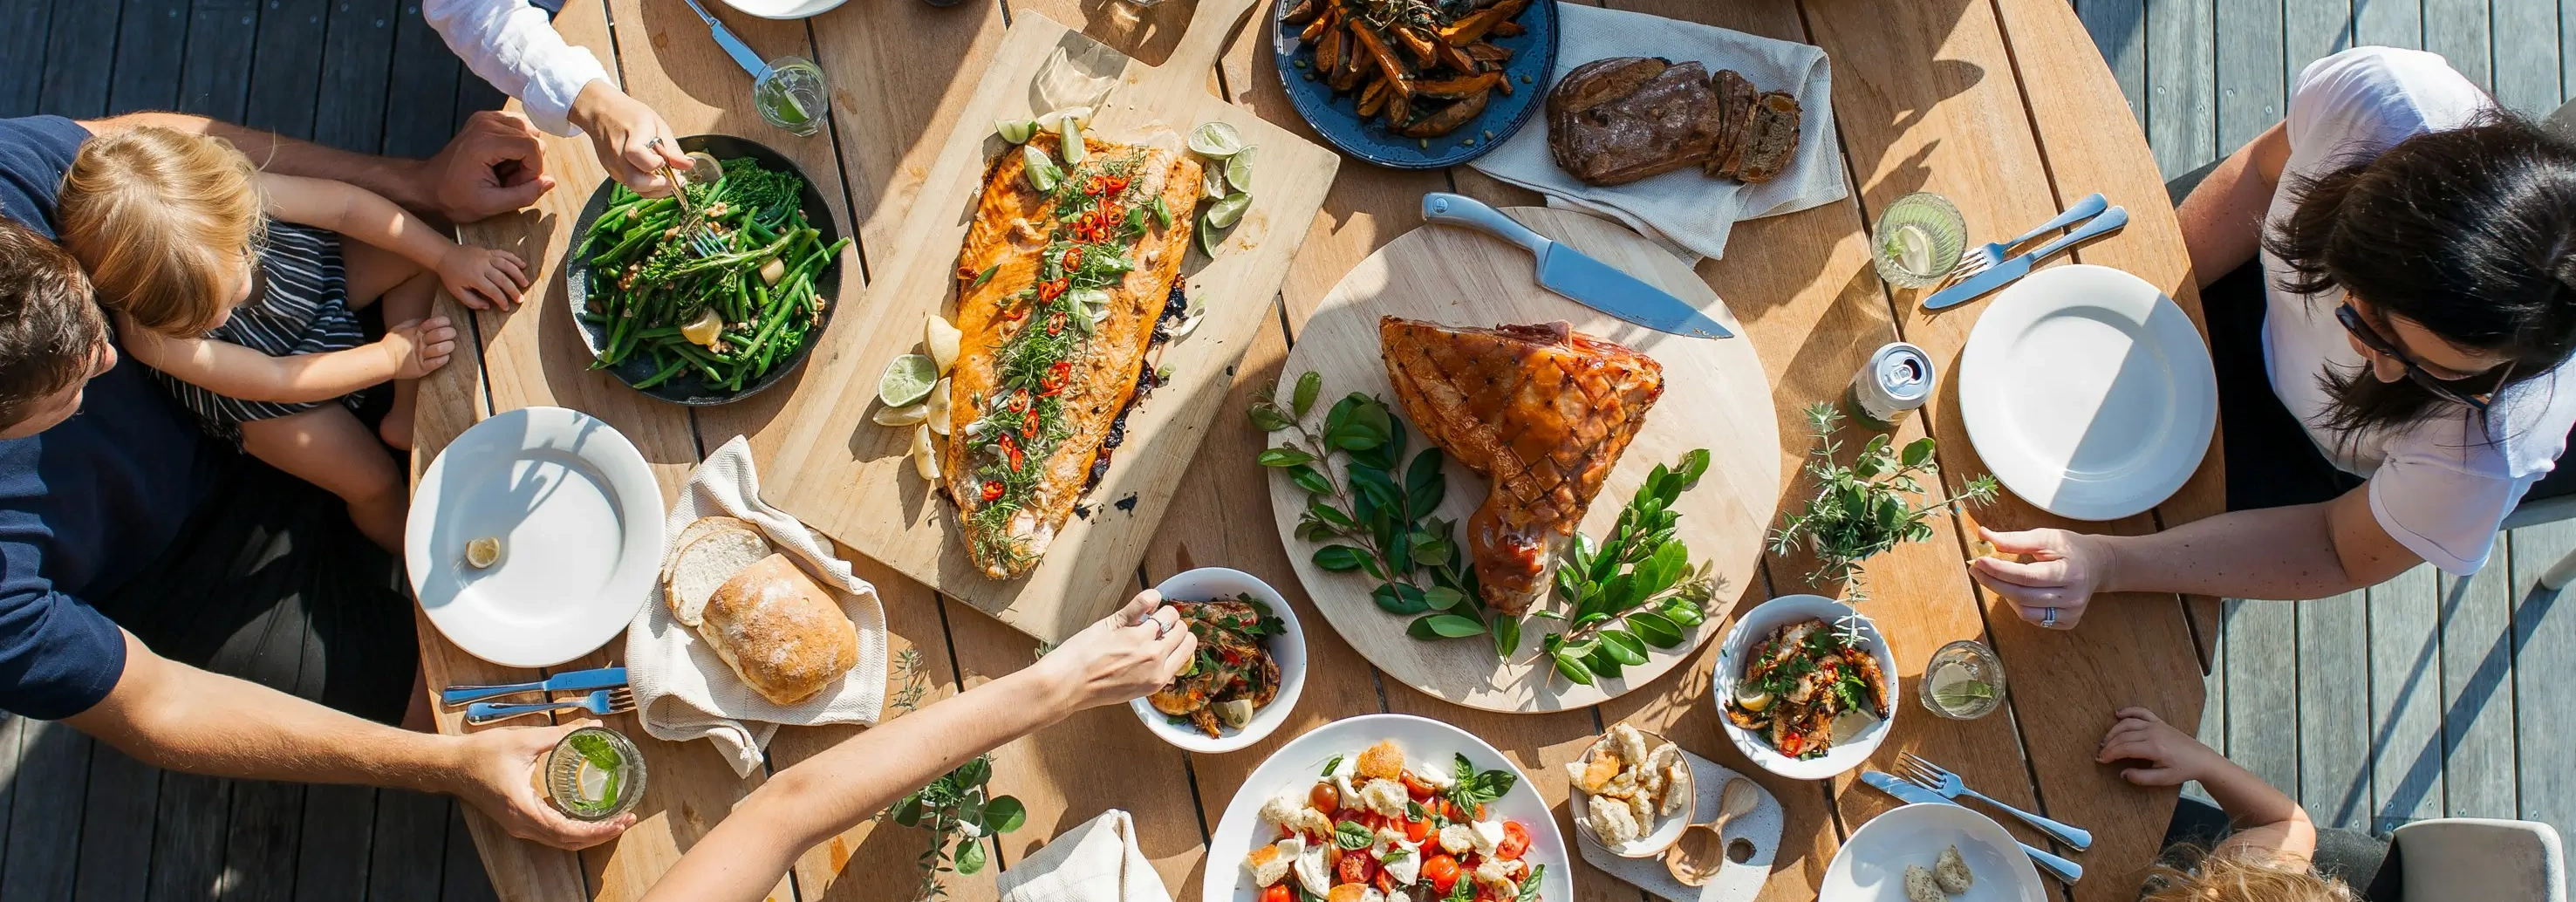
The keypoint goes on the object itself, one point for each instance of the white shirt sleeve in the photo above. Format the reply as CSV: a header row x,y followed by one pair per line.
x,y
2441,511
515,47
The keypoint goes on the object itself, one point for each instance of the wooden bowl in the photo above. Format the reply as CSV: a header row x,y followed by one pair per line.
x,y
1661,834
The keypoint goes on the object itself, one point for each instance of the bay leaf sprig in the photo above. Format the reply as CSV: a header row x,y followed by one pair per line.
x,y
1375,517
1635,588
1870,506
957,809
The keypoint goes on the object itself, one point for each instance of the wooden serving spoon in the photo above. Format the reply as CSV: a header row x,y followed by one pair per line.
x,y
1701,850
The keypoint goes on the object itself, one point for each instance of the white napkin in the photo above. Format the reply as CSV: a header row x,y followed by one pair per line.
x,y
1686,211
683,691
1095,862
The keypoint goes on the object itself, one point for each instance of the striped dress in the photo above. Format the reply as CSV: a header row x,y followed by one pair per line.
x,y
299,305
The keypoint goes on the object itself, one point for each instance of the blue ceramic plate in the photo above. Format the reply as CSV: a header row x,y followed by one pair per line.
x,y
1337,117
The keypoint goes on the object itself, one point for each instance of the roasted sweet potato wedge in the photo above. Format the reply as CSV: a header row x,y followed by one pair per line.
x,y
1449,118
1305,11
1459,87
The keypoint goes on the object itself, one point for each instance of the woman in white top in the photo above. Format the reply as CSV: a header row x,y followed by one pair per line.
x,y
2401,308
513,45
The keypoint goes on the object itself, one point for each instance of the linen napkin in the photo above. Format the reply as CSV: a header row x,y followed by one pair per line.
x,y
683,691
1686,211
1095,862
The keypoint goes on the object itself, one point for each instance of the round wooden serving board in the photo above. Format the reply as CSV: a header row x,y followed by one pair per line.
x,y
1716,396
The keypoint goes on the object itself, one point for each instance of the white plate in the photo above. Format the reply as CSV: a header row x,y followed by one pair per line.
x,y
2088,392
1662,831
784,9
1288,648
1871,865
1296,767
1758,623
580,522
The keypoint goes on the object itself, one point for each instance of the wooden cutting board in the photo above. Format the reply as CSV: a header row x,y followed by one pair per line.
x,y
853,479
1716,396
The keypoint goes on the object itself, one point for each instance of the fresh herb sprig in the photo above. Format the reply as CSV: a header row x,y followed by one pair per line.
x,y
1868,507
1377,518
1471,789
1636,588
956,809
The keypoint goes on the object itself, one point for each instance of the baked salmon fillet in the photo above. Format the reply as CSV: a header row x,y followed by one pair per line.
x,y
1059,293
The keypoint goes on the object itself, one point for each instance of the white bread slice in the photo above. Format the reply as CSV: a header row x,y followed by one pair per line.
x,y
711,551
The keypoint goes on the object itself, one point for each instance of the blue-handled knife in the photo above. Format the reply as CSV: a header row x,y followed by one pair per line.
x,y
1568,272
2005,273
733,46
2065,871
575,681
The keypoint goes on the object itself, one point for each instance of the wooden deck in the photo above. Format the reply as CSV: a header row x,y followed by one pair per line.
x,y
2421,698
2424,697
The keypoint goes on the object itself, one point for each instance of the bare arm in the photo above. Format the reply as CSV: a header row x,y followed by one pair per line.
x,y
494,164
2301,552
2270,826
743,857
356,213
2222,220
174,716
228,369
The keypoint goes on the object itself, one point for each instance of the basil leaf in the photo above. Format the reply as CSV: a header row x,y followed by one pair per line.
x,y
1350,835
1329,764
1529,884
983,277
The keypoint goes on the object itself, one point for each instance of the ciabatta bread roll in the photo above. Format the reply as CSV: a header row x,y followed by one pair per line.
x,y
779,631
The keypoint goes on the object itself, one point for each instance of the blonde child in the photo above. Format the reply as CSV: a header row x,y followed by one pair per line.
x,y
236,287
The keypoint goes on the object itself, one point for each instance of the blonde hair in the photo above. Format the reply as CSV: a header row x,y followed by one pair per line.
x,y
162,220
2223,877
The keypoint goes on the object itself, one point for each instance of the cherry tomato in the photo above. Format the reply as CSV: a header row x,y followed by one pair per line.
x,y
1515,841
1385,881
1324,797
1442,871
1416,830
1417,789
1278,892
1354,869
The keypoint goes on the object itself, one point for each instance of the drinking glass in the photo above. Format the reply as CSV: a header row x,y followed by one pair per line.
x,y
1918,240
792,96
1963,681
594,790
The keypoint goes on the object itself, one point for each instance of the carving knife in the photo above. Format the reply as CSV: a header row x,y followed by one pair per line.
x,y
2065,871
2005,273
575,681
1568,272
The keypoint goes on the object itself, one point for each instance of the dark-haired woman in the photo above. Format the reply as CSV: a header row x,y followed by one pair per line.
x,y
2393,305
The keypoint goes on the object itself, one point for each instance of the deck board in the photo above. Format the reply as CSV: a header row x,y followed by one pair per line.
x,y
45,813
2405,752
116,828
2477,693
2334,710
2544,636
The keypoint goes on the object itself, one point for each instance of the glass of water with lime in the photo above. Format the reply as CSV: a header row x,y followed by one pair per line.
x,y
594,774
1964,681
1918,240
792,96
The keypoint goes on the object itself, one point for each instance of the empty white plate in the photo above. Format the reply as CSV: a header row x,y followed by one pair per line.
x,y
580,522
784,9
2088,392
1871,865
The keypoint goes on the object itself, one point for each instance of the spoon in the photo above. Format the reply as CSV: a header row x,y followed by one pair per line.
x,y
1701,851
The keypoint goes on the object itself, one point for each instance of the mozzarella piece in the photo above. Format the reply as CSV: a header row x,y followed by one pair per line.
x,y
1503,876
1434,778
1488,834
1311,870
1405,868
1458,839
1343,770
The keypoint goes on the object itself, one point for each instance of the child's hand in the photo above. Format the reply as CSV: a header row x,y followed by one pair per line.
x,y
482,277
2142,736
419,347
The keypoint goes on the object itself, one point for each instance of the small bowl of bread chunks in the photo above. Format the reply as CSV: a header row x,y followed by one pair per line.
x,y
781,632
1633,792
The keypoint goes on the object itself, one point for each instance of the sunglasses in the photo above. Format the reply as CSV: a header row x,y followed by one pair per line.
x,y
2440,387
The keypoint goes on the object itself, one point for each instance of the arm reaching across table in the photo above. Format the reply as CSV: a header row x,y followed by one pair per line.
x,y
1112,661
494,164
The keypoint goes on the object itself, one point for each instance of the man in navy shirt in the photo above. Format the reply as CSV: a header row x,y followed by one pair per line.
x,y
184,604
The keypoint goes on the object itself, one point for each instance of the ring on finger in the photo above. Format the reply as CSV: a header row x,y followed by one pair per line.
x,y
2048,618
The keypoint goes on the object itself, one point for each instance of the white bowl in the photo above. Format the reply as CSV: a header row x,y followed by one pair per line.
x,y
1666,829
1870,867
1758,623
1288,648
1295,767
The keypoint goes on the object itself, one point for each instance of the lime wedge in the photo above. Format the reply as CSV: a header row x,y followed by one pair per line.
x,y
1238,169
1040,167
1224,213
1073,150
1215,139
1016,131
1914,250
1211,237
907,380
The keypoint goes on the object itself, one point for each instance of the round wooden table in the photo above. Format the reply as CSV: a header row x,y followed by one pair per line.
x,y
2004,107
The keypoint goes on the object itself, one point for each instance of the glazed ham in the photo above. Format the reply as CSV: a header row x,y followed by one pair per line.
x,y
1542,411
1059,292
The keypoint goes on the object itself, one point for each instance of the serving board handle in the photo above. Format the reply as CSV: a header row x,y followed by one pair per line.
x,y
1205,38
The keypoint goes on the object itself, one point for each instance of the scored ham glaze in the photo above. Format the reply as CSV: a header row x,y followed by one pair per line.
x,y
1058,297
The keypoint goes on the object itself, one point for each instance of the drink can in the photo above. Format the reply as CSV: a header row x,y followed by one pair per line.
x,y
1896,380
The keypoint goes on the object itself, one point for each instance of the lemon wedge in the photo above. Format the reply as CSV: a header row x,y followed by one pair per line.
x,y
925,454
910,415
936,416
483,552
941,339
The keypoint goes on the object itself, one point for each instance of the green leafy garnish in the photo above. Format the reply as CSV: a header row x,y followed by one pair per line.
x,y
1472,789
1351,835
1867,508
1637,588
1329,764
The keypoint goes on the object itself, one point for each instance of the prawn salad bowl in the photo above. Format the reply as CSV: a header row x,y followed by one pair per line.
x,y
1249,669
1807,686
1388,808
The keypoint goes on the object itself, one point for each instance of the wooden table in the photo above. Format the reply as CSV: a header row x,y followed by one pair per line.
x,y
2004,106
